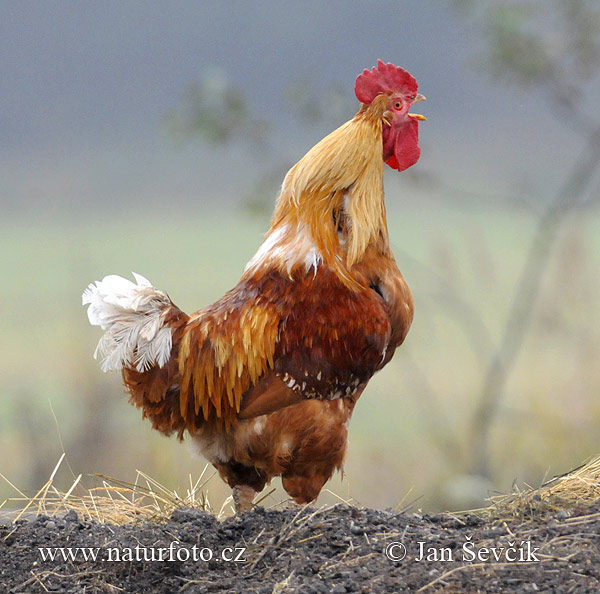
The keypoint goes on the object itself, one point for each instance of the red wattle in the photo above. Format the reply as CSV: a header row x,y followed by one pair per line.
x,y
406,146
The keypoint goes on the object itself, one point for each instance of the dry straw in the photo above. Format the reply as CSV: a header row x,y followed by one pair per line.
x,y
562,494
114,501
121,502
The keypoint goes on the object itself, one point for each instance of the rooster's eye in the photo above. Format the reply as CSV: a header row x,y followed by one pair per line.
x,y
398,105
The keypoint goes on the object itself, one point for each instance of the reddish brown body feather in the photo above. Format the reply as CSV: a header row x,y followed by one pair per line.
x,y
331,339
304,444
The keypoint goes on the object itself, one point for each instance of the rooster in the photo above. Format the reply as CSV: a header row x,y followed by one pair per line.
x,y
265,379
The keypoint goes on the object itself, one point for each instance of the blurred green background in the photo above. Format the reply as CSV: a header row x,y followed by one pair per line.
x,y
152,138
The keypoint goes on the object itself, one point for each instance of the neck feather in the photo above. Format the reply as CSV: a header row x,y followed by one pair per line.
x,y
331,207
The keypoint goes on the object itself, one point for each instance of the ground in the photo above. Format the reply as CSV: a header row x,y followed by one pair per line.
x,y
336,549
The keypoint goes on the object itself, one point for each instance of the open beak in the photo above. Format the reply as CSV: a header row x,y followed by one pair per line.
x,y
418,116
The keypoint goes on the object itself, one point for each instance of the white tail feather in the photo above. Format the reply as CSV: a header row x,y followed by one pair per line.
x,y
132,316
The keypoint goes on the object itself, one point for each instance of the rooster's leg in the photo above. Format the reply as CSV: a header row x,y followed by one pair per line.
x,y
242,498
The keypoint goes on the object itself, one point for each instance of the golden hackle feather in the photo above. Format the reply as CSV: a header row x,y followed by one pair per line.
x,y
343,171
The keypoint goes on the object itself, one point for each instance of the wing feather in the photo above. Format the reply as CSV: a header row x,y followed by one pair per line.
x,y
273,341
226,348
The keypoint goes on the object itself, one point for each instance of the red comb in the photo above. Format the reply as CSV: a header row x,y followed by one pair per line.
x,y
383,78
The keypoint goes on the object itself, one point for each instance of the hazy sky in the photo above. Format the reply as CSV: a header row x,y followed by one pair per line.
x,y
85,88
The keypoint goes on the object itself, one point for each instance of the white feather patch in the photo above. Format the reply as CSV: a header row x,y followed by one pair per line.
x,y
132,316
286,247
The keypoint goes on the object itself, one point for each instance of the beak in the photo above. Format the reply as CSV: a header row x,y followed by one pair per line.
x,y
418,116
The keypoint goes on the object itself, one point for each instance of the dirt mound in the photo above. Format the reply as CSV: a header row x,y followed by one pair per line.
x,y
339,549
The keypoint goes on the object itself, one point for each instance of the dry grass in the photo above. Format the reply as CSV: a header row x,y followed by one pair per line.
x,y
114,501
562,494
120,502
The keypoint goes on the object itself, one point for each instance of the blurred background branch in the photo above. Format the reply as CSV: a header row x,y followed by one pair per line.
x,y
553,47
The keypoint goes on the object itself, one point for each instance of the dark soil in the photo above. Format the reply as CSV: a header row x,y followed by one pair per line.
x,y
306,550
